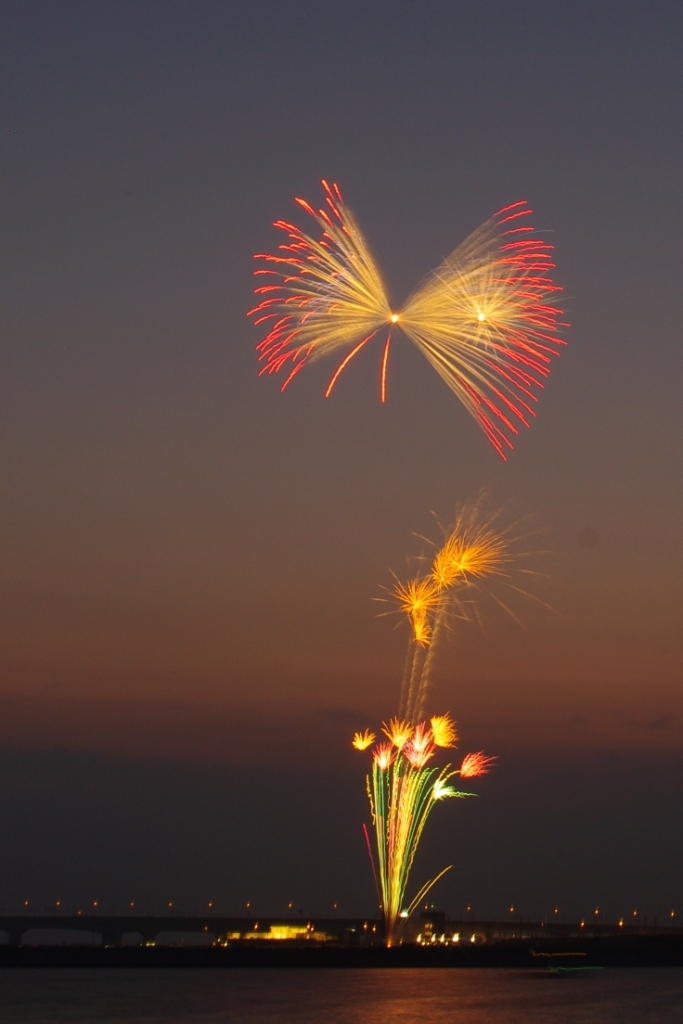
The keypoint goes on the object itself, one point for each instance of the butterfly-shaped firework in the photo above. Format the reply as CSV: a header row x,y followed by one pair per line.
x,y
487,318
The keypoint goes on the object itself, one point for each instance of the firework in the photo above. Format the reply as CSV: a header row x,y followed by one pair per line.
x,y
405,782
487,319
363,740
419,599
398,731
402,791
328,296
443,731
475,764
471,552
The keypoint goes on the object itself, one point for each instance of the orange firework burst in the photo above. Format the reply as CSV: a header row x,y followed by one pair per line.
x,y
475,764
486,319
363,740
444,731
469,552
398,731
418,598
477,549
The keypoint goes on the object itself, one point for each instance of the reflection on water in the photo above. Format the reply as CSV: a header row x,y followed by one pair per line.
x,y
445,996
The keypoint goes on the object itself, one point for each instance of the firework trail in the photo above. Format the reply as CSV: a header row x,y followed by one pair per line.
x,y
402,791
486,319
403,786
472,551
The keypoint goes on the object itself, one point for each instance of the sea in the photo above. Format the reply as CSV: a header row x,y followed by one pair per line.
x,y
368,996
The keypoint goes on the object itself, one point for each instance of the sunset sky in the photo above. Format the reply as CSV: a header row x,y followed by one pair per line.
x,y
188,630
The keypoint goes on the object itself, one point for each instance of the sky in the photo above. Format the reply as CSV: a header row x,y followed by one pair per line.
x,y
189,629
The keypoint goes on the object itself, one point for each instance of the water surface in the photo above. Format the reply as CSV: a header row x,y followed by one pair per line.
x,y
622,996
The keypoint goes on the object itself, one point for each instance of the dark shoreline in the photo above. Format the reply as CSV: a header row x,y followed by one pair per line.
x,y
568,958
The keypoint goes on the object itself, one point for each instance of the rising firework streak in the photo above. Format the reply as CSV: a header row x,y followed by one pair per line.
x,y
486,319
403,786
471,552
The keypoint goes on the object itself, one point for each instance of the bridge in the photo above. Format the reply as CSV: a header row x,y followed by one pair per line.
x,y
113,927
349,931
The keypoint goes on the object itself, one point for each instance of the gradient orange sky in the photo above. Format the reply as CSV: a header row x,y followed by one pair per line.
x,y
190,559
